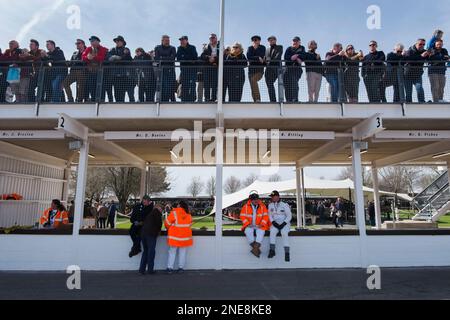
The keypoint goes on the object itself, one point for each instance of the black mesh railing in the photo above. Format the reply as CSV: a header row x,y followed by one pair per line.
x,y
191,82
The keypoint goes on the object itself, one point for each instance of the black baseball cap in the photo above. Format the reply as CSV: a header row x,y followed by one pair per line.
x,y
147,197
275,194
254,38
254,196
94,38
184,38
296,39
271,38
120,38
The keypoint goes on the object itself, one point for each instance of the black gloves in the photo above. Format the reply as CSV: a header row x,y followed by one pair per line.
x,y
279,226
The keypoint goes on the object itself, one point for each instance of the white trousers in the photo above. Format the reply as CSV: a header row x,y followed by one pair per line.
x,y
284,234
181,257
250,234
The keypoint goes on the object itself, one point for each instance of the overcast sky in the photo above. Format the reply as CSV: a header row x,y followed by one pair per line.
x,y
143,22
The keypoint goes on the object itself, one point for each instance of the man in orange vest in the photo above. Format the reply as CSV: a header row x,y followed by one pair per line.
x,y
255,220
54,217
179,235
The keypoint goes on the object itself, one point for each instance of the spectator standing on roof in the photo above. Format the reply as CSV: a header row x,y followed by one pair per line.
x,y
94,56
77,74
256,55
188,56
373,71
165,54
274,55
415,59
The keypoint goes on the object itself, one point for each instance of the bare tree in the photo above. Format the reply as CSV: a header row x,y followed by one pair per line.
x,y
275,178
158,181
124,182
96,184
195,187
211,186
249,180
232,185
398,179
347,173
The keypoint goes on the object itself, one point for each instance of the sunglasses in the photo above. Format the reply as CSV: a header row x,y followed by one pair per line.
x,y
372,45
351,49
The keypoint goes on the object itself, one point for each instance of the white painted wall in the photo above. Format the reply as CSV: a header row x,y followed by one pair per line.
x,y
93,253
38,183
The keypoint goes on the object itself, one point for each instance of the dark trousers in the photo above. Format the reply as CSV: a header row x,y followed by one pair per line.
x,y
271,77
110,222
188,79
389,82
3,85
102,223
211,82
235,87
107,85
417,83
373,223
135,234
91,86
148,256
147,90
32,88
120,87
333,81
168,84
291,79
373,88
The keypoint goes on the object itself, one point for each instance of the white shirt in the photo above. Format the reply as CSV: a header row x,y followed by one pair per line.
x,y
280,212
255,213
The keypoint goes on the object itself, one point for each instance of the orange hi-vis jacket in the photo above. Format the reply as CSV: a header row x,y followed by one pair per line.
x,y
262,216
61,218
179,228
12,196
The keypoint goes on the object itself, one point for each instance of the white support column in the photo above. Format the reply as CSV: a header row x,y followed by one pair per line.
x,y
143,183
219,197
81,188
359,199
376,197
299,173
67,176
220,128
448,168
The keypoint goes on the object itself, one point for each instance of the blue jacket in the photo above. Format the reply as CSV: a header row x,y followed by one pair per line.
x,y
166,55
188,53
58,63
438,62
253,56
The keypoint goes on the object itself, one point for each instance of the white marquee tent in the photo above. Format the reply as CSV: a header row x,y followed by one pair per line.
x,y
326,188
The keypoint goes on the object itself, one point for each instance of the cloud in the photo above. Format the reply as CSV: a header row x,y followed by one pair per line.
x,y
38,17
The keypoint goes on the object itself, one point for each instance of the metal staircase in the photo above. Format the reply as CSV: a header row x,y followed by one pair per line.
x,y
434,201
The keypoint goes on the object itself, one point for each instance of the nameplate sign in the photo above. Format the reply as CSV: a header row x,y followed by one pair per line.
x,y
31,135
413,135
169,135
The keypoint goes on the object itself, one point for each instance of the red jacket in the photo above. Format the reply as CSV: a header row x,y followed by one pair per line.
x,y
99,58
10,56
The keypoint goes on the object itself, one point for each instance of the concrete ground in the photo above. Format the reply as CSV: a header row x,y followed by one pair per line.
x,y
423,283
